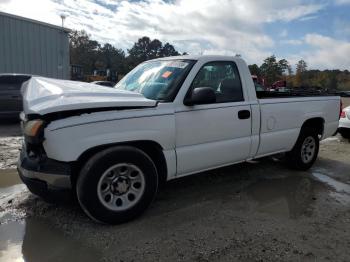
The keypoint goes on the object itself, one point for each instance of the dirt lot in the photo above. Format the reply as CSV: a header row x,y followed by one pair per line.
x,y
346,101
258,211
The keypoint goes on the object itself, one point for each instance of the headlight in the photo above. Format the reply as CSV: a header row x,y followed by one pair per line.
x,y
33,129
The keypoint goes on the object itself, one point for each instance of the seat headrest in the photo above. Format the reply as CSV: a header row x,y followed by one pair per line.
x,y
227,85
231,89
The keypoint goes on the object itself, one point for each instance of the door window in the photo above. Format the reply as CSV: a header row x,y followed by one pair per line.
x,y
223,78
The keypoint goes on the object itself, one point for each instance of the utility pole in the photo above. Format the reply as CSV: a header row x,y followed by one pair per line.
x,y
60,64
63,17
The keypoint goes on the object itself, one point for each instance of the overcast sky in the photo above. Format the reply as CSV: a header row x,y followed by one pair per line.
x,y
316,31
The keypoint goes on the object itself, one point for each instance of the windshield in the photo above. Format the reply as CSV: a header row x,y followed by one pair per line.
x,y
157,80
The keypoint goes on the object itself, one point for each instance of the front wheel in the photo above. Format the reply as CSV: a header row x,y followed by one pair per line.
x,y
117,184
305,151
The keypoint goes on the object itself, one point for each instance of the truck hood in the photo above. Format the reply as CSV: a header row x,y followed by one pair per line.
x,y
45,95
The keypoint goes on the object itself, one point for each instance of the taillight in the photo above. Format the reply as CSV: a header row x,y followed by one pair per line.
x,y
342,114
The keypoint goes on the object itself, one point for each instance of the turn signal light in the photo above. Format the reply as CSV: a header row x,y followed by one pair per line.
x,y
33,128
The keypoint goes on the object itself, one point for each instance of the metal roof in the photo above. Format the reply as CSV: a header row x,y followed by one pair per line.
x,y
35,21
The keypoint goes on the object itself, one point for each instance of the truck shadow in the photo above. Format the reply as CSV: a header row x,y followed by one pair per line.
x,y
244,192
265,186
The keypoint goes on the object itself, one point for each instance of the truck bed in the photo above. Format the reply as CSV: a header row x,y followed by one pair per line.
x,y
289,94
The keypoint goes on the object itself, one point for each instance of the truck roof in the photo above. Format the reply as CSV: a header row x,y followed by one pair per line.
x,y
199,57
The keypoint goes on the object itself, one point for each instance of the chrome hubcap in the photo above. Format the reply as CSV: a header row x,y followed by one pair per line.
x,y
121,186
308,149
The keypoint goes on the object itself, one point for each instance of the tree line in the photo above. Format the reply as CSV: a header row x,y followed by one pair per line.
x,y
92,55
272,70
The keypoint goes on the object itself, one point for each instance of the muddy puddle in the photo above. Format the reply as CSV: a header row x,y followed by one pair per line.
x,y
33,239
24,238
287,197
9,177
293,195
339,190
10,185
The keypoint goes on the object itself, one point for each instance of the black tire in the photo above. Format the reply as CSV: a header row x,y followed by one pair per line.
x,y
345,133
295,159
94,169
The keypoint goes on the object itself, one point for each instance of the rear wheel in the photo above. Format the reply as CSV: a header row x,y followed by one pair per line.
x,y
117,184
305,151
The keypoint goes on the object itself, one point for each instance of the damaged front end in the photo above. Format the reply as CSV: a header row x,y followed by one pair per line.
x,y
46,100
45,177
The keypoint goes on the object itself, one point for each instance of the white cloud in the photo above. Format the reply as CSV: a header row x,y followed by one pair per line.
x,y
194,26
42,10
342,2
284,33
291,42
308,18
324,53
295,12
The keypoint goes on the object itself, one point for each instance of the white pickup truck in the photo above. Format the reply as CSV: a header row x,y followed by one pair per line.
x,y
167,118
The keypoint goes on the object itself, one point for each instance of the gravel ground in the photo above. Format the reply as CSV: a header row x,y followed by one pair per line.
x,y
10,143
257,211
9,150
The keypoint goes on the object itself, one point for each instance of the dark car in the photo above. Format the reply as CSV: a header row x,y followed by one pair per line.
x,y
10,95
104,83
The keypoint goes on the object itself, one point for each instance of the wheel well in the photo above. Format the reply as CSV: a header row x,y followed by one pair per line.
x,y
316,123
151,148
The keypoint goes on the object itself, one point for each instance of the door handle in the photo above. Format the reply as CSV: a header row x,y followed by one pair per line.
x,y
244,114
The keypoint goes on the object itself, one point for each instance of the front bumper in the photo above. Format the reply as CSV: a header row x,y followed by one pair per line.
x,y
44,176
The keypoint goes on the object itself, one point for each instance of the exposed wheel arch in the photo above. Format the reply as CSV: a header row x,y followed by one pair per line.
x,y
151,148
316,123
305,151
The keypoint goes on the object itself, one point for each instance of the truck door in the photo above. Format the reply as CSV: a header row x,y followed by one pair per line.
x,y
216,134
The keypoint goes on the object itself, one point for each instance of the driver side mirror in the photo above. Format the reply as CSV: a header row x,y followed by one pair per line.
x,y
200,96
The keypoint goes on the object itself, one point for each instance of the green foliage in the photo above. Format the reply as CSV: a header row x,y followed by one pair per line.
x,y
327,79
91,55
284,67
146,49
255,70
83,50
300,74
113,58
301,67
272,70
